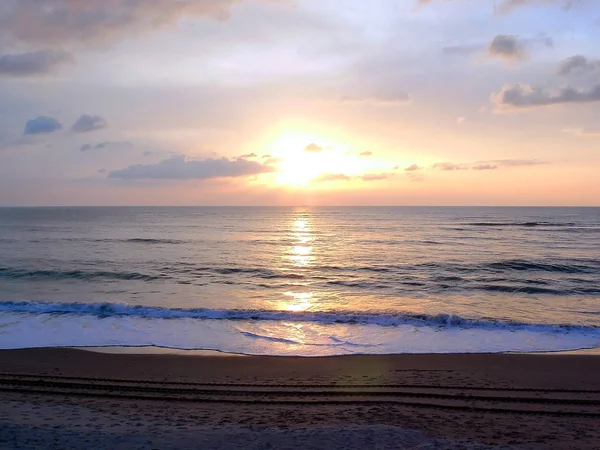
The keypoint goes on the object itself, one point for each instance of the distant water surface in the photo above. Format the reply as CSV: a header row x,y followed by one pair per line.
x,y
304,281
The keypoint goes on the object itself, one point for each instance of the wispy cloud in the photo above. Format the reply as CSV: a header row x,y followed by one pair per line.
x,y
330,177
108,144
67,21
33,63
87,123
376,176
313,148
180,168
583,132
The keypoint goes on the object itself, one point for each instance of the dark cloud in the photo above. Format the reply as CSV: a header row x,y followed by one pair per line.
x,y
507,47
366,154
484,167
102,171
248,155
87,123
376,176
330,177
33,63
42,124
577,63
66,21
412,168
313,148
266,156
524,96
181,168
107,144
148,152
448,166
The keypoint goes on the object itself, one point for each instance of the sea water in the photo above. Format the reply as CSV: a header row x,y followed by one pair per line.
x,y
304,281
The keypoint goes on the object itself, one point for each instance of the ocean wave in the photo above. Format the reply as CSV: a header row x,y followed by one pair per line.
x,y
520,224
385,319
153,241
576,266
7,273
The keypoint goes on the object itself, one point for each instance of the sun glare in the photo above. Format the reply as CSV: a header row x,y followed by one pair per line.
x,y
299,165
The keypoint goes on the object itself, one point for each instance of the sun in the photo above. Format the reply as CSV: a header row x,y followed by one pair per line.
x,y
302,157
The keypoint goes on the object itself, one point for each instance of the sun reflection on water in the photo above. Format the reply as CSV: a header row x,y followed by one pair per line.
x,y
300,256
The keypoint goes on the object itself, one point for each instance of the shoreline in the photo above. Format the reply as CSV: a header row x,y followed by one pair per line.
x,y
123,349
93,399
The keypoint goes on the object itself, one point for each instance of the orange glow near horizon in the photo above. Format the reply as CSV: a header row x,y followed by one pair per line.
x,y
299,167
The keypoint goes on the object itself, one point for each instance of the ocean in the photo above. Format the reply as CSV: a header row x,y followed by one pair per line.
x,y
309,281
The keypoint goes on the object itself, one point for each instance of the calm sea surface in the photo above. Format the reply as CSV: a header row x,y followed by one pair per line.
x,y
304,281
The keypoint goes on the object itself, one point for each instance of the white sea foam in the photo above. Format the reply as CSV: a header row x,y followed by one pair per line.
x,y
277,336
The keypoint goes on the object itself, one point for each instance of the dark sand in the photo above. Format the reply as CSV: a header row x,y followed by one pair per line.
x,y
401,401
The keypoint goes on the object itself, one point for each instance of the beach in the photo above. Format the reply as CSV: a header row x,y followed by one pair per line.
x,y
73,398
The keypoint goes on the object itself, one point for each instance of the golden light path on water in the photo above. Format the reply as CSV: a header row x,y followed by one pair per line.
x,y
301,256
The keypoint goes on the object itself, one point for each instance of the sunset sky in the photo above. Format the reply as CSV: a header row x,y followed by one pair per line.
x,y
287,102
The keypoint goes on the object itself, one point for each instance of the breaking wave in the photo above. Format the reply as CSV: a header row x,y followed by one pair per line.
x,y
384,319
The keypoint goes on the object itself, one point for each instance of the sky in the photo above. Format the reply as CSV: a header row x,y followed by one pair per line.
x,y
299,102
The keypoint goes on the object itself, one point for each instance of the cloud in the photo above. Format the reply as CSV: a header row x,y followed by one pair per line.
x,y
376,176
148,152
488,165
87,123
267,156
330,177
577,63
520,96
42,124
272,160
413,176
366,154
412,168
515,162
460,120
583,132
313,148
484,167
33,63
461,50
508,6
248,155
102,171
66,21
180,168
106,144
507,47
379,99
448,166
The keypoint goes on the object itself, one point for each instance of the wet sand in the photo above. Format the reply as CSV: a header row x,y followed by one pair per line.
x,y
68,398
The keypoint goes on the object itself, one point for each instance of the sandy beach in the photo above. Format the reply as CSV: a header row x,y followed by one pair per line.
x,y
69,398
